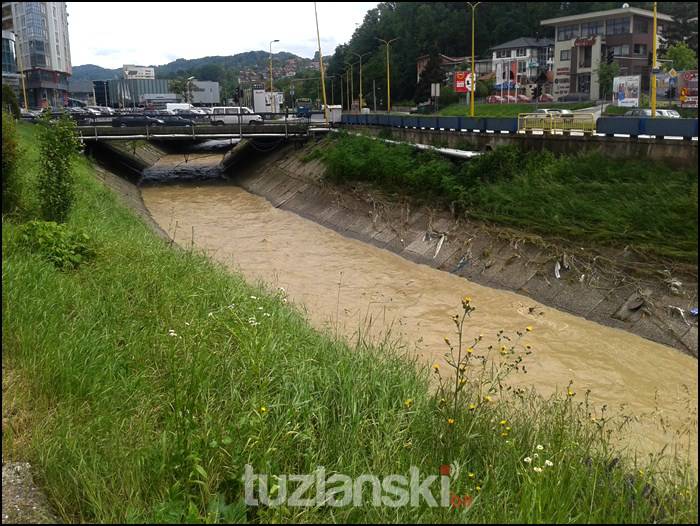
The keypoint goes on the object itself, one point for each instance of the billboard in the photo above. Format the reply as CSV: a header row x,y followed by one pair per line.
x,y
626,91
688,84
463,81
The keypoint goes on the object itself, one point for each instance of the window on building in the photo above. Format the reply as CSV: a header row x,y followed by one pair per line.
x,y
641,25
640,49
584,56
502,53
621,51
522,52
618,26
591,29
567,33
522,66
565,54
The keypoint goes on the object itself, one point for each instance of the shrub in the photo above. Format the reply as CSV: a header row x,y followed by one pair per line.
x,y
58,144
64,248
10,157
9,101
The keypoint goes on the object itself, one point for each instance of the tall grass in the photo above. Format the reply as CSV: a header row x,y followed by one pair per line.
x,y
588,197
150,377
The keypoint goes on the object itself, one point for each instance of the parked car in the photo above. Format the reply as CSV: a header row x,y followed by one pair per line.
x,y
170,119
523,98
127,121
553,111
232,114
494,99
94,110
545,97
671,114
638,112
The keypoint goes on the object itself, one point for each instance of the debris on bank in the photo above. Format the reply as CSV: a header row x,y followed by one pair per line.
x,y
22,501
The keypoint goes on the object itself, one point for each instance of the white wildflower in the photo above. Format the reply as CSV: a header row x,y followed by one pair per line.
x,y
260,308
536,455
527,460
537,469
266,314
171,332
540,447
548,463
253,297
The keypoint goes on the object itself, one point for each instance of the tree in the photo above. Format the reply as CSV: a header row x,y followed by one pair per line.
x,y
432,74
681,57
606,74
184,88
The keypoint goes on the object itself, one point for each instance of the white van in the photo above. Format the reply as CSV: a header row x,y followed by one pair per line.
x,y
230,115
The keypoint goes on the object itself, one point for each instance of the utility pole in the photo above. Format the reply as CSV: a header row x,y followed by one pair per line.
x,y
360,57
342,97
653,68
388,74
320,63
473,72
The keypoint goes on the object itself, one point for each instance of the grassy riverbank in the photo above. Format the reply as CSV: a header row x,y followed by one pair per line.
x,y
140,384
644,204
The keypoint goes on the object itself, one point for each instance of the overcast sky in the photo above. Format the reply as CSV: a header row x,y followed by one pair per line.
x,y
111,34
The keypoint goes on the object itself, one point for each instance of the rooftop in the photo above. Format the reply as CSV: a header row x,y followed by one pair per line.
x,y
526,42
609,12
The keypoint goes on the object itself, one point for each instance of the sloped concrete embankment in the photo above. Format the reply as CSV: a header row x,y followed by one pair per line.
x,y
613,287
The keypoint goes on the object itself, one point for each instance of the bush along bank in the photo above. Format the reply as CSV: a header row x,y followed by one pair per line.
x,y
150,379
645,205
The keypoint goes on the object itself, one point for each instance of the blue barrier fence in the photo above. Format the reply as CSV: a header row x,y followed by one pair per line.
x,y
686,128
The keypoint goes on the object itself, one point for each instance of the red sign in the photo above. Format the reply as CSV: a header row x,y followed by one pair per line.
x,y
584,42
462,81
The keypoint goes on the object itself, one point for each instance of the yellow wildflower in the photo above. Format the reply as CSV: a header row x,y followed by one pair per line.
x,y
408,403
450,421
487,398
470,350
263,409
447,340
436,367
503,422
478,488
569,392
472,407
528,328
471,475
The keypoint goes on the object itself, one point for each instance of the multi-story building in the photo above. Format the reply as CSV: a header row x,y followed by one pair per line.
x,y
523,60
9,62
43,51
583,41
131,71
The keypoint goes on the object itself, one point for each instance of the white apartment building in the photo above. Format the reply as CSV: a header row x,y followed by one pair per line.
x,y
131,71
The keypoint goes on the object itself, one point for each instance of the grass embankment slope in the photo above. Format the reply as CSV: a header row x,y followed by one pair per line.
x,y
508,110
145,379
640,203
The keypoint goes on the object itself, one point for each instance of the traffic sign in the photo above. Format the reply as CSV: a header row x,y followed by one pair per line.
x,y
673,73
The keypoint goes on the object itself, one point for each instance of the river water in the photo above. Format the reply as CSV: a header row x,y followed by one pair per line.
x,y
343,283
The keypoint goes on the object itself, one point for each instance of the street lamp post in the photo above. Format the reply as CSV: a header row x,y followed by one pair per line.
x,y
360,57
188,90
352,85
653,67
473,90
388,74
272,97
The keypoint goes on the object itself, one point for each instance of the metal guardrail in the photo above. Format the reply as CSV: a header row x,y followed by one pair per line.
x,y
557,122
634,127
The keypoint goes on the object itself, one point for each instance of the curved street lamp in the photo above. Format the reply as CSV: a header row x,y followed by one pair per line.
x,y
388,75
360,57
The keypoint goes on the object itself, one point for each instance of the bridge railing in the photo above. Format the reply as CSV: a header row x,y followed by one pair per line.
x,y
557,122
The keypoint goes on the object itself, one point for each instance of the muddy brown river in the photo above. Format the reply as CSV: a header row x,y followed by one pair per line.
x,y
343,282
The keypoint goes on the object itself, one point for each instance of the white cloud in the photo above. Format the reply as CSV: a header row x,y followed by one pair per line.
x,y
110,34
